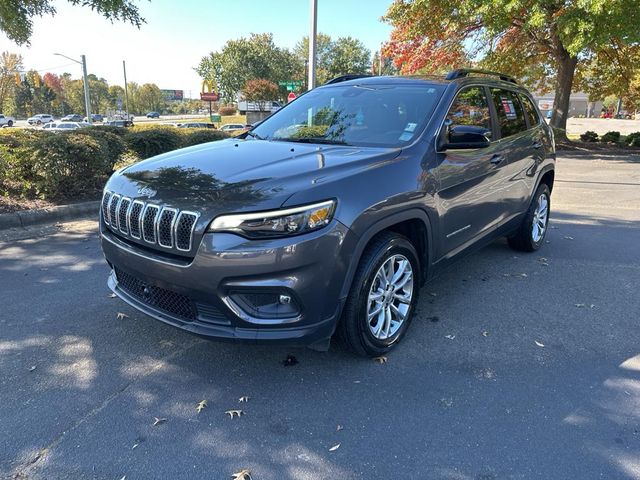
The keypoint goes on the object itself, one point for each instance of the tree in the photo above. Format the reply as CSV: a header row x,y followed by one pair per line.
x,y
335,57
16,16
246,59
10,64
537,40
260,91
149,98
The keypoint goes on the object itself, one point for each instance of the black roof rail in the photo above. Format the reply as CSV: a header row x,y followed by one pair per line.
x,y
464,72
344,78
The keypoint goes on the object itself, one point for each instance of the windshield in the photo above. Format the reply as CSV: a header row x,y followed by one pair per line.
x,y
361,115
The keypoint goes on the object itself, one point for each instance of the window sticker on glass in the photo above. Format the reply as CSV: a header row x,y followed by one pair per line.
x,y
405,136
509,109
410,127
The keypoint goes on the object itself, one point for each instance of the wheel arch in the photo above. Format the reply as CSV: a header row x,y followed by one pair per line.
x,y
413,224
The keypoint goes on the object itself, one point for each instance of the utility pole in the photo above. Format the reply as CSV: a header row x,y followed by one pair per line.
x,y
313,33
85,81
126,90
87,105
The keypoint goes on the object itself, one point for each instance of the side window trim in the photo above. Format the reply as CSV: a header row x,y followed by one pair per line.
x,y
496,131
535,109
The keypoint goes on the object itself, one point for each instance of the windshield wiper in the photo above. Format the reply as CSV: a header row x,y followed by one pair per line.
x,y
254,135
321,140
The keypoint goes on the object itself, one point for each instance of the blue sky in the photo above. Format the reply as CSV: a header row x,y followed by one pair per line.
x,y
180,32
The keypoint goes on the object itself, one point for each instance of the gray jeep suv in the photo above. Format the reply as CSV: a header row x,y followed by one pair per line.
x,y
329,215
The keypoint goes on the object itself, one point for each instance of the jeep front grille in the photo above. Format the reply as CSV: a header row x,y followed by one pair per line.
x,y
159,225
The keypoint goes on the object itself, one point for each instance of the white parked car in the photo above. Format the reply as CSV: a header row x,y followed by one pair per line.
x,y
233,127
6,121
40,119
67,126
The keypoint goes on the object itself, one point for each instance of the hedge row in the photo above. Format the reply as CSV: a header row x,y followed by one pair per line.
x,y
76,164
631,140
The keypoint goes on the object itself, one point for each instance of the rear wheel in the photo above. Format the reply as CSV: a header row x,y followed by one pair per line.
x,y
531,234
383,296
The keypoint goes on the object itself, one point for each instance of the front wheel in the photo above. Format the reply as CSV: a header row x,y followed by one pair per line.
x,y
10,123
383,296
532,231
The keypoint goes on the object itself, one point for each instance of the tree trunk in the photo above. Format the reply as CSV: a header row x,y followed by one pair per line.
x,y
564,81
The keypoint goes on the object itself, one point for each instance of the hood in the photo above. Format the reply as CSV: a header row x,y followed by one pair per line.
x,y
240,175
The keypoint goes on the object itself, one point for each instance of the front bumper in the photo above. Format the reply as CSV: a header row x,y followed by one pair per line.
x,y
309,268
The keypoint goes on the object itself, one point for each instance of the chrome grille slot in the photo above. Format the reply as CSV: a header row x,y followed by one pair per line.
x,y
159,225
105,207
149,218
113,209
184,230
134,218
165,227
123,211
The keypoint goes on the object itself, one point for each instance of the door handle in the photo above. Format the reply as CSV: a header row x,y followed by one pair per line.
x,y
496,159
537,145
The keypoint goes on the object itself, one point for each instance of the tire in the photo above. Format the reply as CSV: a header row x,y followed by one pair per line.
x,y
38,122
10,123
354,329
527,238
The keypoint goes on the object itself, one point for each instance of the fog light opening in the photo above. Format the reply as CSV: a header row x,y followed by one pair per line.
x,y
266,304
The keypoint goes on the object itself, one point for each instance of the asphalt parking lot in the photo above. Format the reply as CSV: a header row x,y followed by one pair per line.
x,y
517,367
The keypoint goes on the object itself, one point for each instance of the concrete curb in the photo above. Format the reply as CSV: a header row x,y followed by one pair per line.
x,y
28,218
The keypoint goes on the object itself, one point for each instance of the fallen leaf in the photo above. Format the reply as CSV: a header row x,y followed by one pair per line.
x,y
290,361
567,237
124,477
356,381
450,337
243,399
158,421
539,343
339,427
523,275
485,333
44,269
112,295
544,264
121,316
243,474
380,359
32,368
335,447
543,260
233,413
201,405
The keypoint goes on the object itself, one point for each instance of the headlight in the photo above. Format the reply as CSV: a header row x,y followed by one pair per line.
x,y
278,223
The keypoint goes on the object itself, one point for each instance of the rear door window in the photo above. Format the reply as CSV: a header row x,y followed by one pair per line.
x,y
530,111
509,111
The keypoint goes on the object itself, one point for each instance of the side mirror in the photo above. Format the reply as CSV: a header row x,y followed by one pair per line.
x,y
465,137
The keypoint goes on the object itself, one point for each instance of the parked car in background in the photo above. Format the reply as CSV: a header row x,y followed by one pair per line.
x,y
40,119
332,213
196,125
67,126
153,115
118,123
95,117
266,106
232,128
6,121
74,117
49,126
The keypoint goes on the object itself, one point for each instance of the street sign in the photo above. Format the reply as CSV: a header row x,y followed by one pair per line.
x,y
291,84
216,118
291,97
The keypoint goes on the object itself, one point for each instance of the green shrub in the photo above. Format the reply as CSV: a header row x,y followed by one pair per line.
x,y
119,131
113,143
610,137
227,110
149,142
633,139
589,136
200,135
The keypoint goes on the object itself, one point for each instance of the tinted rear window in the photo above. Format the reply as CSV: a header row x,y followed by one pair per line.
x,y
530,111
510,112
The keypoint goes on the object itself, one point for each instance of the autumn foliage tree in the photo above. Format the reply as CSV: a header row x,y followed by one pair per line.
x,y
260,91
540,41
